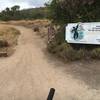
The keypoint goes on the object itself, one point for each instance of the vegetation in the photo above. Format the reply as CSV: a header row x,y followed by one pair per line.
x,y
8,34
10,13
68,11
35,13
8,39
65,11
14,13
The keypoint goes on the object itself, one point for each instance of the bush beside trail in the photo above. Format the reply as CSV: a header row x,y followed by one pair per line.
x,y
71,52
8,39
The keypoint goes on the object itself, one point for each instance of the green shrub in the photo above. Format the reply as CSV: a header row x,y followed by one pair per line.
x,y
68,53
95,53
68,11
51,46
60,35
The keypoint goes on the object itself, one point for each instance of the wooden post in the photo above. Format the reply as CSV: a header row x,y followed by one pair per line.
x,y
51,33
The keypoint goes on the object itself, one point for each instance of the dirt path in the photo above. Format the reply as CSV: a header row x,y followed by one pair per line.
x,y
30,73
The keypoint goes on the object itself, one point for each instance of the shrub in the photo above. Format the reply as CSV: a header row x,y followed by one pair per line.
x,y
72,52
68,11
60,35
95,53
36,29
3,43
68,53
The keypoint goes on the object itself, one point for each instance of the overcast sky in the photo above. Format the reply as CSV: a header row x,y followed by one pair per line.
x,y
22,3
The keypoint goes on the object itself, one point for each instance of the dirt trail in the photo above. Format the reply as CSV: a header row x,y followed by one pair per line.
x,y
29,74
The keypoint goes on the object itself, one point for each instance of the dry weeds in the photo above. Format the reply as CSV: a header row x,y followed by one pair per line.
x,y
9,36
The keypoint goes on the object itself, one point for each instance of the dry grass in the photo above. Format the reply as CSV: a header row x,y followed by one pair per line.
x,y
28,23
39,26
68,53
9,34
8,38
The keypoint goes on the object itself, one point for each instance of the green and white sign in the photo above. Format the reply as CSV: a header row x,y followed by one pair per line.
x,y
83,33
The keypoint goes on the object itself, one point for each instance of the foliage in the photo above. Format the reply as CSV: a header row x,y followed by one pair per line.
x,y
35,13
68,53
72,52
65,11
10,13
14,13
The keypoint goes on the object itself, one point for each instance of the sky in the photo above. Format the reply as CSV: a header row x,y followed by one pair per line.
x,y
22,3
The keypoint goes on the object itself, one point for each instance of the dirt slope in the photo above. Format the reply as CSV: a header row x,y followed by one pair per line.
x,y
30,73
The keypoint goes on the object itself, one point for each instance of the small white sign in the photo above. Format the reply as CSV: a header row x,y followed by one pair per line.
x,y
83,33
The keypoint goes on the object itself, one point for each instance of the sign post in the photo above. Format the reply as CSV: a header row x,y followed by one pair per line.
x,y
83,33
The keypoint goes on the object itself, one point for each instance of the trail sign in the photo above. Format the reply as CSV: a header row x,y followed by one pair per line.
x,y
83,33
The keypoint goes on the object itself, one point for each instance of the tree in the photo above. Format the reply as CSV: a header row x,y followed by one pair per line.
x,y
7,10
14,13
65,11
15,8
10,14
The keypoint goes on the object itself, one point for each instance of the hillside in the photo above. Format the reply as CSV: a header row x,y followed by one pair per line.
x,y
35,13
14,13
